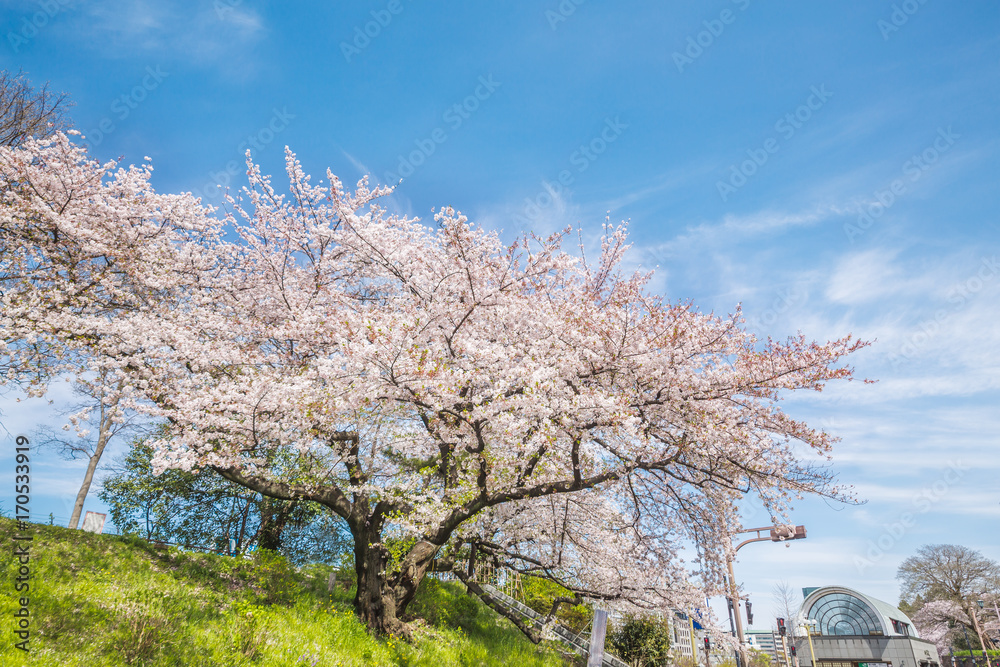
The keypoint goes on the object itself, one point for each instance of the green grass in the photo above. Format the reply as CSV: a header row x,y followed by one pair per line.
x,y
103,600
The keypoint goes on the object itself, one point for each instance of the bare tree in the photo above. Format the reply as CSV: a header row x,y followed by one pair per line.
x,y
25,111
786,601
100,408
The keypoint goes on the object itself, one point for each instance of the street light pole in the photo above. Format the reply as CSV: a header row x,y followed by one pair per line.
x,y
979,632
732,625
734,603
810,637
777,533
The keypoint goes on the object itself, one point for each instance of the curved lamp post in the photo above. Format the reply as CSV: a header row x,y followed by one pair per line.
x,y
777,533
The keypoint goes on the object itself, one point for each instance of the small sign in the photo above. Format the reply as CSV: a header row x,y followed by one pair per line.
x,y
93,522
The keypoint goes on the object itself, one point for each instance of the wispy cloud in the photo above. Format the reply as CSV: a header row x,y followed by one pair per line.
x,y
204,33
733,228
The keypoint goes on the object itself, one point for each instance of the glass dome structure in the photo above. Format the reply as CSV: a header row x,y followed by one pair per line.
x,y
840,613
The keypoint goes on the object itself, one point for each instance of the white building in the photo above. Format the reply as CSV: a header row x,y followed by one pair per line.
x,y
851,629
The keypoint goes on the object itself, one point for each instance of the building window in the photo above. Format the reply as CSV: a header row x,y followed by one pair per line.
x,y
843,614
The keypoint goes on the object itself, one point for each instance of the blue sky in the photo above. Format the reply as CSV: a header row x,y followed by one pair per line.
x,y
831,166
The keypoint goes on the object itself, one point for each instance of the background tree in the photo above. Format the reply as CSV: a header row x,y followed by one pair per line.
x,y
641,641
759,658
25,111
786,601
541,595
101,410
515,403
949,580
942,622
204,509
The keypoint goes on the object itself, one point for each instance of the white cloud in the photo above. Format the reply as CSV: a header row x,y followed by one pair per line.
x,y
734,228
204,33
864,277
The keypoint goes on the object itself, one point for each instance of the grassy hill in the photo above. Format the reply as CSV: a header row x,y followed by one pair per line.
x,y
102,600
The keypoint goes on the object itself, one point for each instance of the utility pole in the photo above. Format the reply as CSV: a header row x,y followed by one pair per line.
x,y
979,632
732,627
776,533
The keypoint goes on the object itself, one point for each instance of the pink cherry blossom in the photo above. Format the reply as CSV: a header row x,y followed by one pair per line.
x,y
514,402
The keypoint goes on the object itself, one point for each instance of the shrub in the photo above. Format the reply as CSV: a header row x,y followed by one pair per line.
x,y
540,593
273,576
641,641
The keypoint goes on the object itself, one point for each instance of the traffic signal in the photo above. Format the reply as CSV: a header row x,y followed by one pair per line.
x,y
792,649
749,613
782,532
781,627
708,646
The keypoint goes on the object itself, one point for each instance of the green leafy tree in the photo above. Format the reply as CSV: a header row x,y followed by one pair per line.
x,y
202,508
759,658
541,595
642,641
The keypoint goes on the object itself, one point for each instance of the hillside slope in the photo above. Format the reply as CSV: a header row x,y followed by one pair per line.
x,y
103,600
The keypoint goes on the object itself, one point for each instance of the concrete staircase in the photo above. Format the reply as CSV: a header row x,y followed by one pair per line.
x,y
579,644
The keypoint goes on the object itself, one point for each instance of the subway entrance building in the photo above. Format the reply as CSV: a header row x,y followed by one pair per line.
x,y
850,629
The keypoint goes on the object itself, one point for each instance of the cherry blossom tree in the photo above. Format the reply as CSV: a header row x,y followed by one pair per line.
x,y
950,580
941,621
71,278
452,399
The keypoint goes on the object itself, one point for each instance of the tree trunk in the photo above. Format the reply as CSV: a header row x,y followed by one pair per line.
x,y
102,442
375,600
273,518
103,435
411,572
382,597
